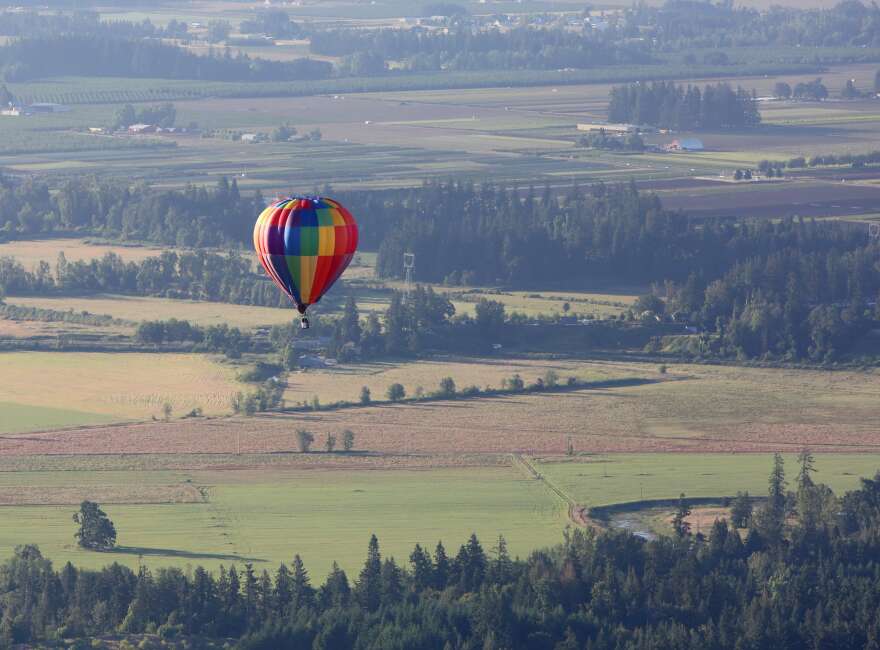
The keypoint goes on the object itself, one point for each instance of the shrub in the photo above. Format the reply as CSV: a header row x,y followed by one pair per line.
x,y
365,395
447,387
396,392
348,440
304,440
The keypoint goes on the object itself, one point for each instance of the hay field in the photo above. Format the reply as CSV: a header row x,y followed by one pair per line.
x,y
344,382
693,409
31,252
267,517
136,308
464,299
117,386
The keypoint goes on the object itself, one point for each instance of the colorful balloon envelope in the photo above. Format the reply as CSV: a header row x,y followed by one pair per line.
x,y
304,244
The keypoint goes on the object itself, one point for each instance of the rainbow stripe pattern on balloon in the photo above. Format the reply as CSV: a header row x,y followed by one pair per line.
x,y
304,244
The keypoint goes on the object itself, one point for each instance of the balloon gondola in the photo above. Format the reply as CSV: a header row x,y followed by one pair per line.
x,y
304,244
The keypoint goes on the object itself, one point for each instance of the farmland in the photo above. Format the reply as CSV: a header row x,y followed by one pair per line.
x,y
74,386
222,488
267,517
408,454
30,253
695,409
135,309
397,138
616,478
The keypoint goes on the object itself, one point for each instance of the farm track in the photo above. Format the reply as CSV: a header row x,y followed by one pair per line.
x,y
575,512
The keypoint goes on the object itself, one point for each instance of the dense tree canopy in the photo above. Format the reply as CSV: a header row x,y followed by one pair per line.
x,y
671,106
37,57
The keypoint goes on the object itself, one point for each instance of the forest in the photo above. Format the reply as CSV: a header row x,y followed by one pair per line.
x,y
671,106
802,573
109,56
681,24
465,49
792,288
83,22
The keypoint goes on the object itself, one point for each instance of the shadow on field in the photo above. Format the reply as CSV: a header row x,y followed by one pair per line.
x,y
171,552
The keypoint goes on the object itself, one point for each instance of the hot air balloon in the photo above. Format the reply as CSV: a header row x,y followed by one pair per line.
x,y
304,244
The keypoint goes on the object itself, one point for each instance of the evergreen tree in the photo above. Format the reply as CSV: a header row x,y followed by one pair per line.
x,y
441,567
369,584
335,592
422,570
301,592
283,593
680,524
806,464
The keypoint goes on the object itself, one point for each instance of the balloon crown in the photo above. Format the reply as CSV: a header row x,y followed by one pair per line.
x,y
314,198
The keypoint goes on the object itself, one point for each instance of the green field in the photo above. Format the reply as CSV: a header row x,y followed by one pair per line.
x,y
621,478
23,417
267,517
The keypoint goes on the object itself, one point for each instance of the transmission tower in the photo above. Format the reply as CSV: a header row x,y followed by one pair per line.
x,y
409,265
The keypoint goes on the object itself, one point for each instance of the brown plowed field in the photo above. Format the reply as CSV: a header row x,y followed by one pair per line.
x,y
709,409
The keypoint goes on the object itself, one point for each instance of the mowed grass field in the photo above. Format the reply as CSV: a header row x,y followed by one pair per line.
x,y
267,517
621,478
32,252
136,309
50,389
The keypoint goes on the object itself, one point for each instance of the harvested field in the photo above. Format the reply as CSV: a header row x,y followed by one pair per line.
x,y
31,252
30,329
345,382
121,386
696,409
789,198
134,308
41,495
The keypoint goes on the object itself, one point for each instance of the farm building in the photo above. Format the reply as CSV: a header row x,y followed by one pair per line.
x,y
686,144
608,128
142,128
46,107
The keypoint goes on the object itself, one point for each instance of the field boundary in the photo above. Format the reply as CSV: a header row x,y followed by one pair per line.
x,y
574,511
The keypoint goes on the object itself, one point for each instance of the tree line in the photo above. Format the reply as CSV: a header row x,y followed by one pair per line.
x,y
672,106
708,25
194,216
109,56
83,22
197,275
720,272
753,587
463,48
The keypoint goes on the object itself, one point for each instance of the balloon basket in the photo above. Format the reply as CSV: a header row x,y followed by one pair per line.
x,y
304,323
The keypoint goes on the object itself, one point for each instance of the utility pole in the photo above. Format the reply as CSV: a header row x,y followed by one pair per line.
x,y
409,265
